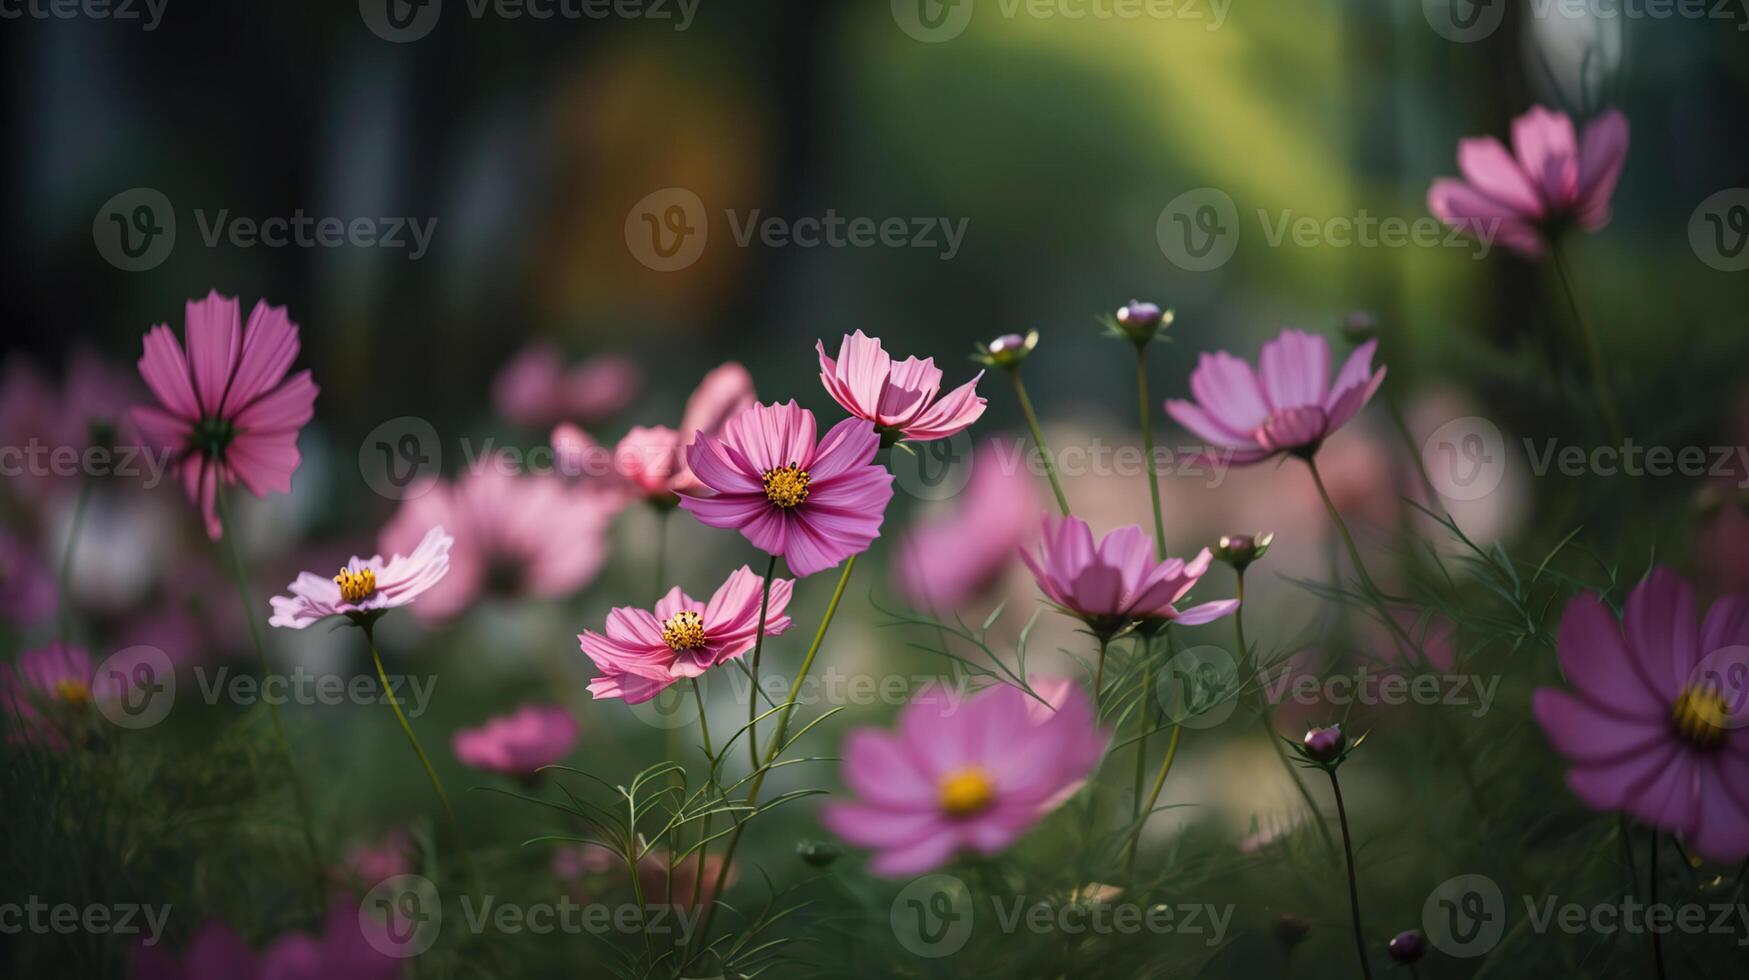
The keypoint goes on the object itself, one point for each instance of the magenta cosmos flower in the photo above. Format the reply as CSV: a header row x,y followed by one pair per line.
x,y
900,399
1549,181
225,406
972,775
644,652
815,503
536,389
364,588
1117,582
515,535
49,695
650,462
518,744
1655,724
945,560
1290,406
344,951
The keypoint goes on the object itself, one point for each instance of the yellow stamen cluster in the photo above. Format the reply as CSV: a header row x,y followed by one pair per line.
x,y
967,791
74,692
356,586
1701,717
786,486
684,631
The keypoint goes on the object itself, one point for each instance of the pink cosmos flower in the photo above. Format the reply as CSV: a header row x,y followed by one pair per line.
x,y
649,463
536,390
1292,408
95,398
900,399
364,587
1550,181
945,561
366,864
344,951
225,406
1655,725
514,535
48,694
28,593
1118,582
518,744
961,775
814,503
644,652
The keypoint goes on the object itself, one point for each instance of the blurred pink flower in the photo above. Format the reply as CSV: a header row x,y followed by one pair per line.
x,y
28,594
514,535
972,775
1551,180
518,744
575,861
1119,582
1293,408
366,864
343,952
649,462
365,585
225,407
1648,726
1721,550
50,689
948,559
653,879
815,504
96,395
900,399
644,652
535,389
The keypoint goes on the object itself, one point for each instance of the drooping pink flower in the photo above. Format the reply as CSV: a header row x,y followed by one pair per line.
x,y
1551,180
1292,408
945,561
364,587
814,503
225,406
650,461
643,652
961,775
515,535
900,399
28,593
518,744
49,694
1118,582
353,946
1656,723
536,390
366,864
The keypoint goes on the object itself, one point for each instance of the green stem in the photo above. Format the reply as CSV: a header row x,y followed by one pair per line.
x,y
661,551
1154,794
1593,350
704,834
65,599
1652,897
758,645
1147,418
1265,714
1372,589
1038,439
227,534
1353,886
1099,681
424,760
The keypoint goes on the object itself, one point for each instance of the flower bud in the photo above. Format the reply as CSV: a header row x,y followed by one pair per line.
x,y
1138,322
1360,326
1291,929
817,853
1240,550
1325,745
1407,946
1006,351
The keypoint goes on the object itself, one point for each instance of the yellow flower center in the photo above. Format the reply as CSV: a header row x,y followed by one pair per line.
x,y
1701,716
786,486
73,692
683,631
967,791
356,586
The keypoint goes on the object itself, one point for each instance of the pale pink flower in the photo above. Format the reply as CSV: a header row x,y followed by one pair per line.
x,y
1118,582
515,535
364,587
643,652
536,389
344,951
225,405
1551,180
519,744
815,503
900,399
366,864
948,559
961,775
